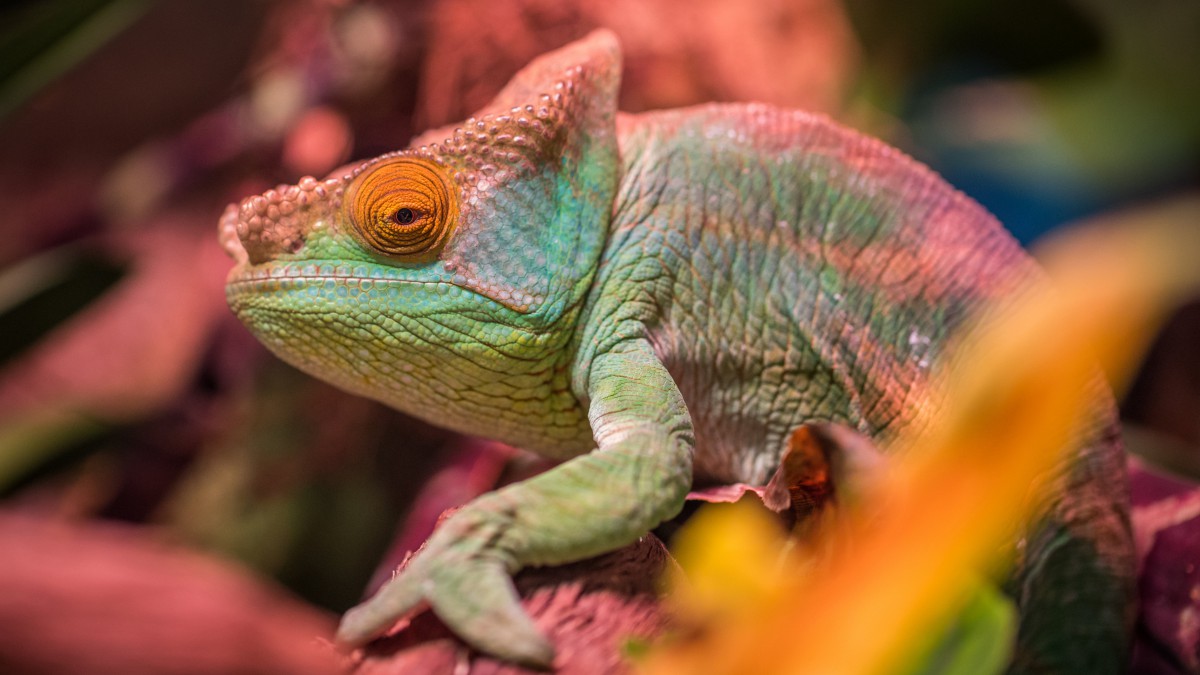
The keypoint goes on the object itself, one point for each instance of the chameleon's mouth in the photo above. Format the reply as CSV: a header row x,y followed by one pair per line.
x,y
263,276
270,284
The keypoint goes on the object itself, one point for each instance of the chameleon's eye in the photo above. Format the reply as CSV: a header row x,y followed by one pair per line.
x,y
403,207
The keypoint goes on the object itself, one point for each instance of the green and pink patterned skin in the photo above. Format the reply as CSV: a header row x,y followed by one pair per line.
x,y
658,300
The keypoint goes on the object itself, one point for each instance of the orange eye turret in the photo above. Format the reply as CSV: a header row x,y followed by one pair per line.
x,y
405,207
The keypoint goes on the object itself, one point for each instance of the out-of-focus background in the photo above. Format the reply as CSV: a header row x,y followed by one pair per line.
x,y
134,409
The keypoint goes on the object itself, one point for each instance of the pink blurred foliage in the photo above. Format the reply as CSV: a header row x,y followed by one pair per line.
x,y
798,53
319,141
1166,521
90,598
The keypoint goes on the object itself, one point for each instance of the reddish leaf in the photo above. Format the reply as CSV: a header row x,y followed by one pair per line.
x,y
108,599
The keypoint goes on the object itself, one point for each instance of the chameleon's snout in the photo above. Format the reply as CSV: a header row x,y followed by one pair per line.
x,y
265,226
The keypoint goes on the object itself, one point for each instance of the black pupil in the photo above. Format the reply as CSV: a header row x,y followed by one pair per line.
x,y
405,216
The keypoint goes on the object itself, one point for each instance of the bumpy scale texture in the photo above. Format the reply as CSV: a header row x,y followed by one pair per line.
x,y
659,299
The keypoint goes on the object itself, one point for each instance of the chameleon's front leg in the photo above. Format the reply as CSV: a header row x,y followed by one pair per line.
x,y
637,477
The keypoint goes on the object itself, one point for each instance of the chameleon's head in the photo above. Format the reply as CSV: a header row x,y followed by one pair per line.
x,y
446,279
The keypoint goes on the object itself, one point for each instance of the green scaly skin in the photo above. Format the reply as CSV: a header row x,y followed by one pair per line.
x,y
659,300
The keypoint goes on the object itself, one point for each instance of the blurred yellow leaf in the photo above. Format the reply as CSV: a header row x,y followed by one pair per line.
x,y
738,573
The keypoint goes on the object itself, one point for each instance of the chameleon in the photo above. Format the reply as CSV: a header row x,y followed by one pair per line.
x,y
655,300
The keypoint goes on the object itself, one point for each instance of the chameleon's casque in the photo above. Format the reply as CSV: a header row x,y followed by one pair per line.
x,y
659,299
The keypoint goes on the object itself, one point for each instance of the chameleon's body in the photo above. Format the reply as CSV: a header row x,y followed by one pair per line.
x,y
659,299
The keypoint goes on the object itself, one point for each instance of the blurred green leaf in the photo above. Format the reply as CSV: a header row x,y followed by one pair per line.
x,y
38,445
43,292
980,640
40,41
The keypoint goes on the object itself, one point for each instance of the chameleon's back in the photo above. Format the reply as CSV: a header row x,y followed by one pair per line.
x,y
790,270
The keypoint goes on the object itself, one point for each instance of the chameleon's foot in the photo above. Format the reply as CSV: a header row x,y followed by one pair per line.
x,y
468,586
